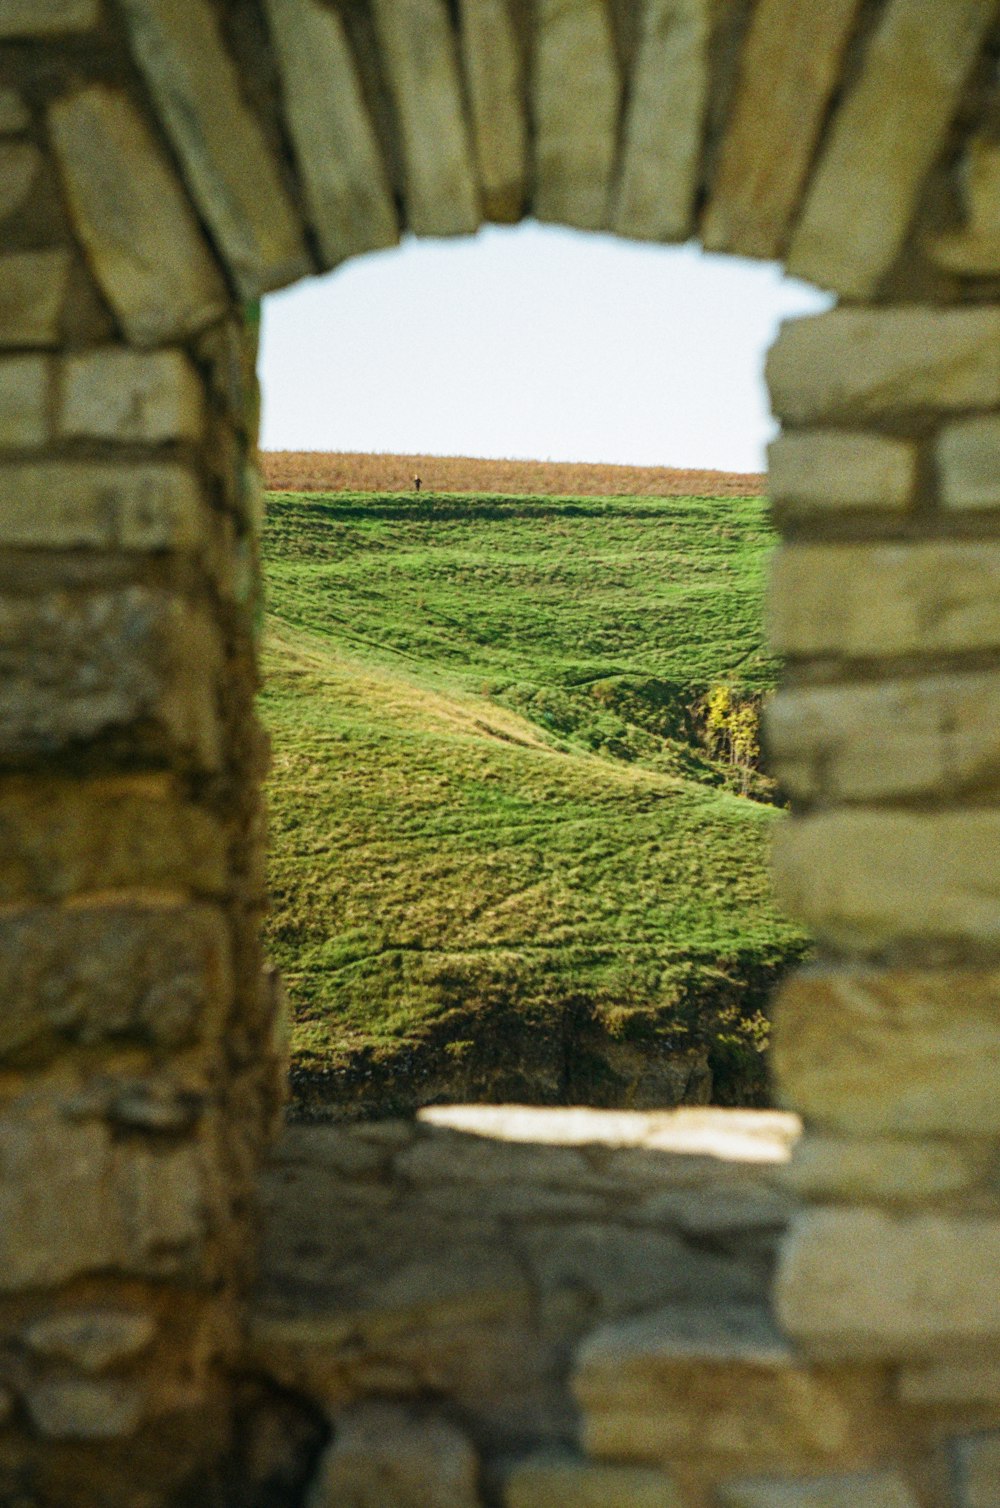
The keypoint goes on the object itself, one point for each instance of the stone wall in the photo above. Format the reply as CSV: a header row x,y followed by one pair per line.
x,y
165,163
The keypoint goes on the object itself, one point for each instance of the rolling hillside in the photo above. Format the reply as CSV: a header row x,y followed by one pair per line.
x,y
504,863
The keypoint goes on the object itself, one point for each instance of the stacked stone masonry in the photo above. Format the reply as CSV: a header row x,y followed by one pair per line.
x,y
473,1320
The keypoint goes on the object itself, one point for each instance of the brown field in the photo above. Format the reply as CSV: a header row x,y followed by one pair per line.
x,y
341,471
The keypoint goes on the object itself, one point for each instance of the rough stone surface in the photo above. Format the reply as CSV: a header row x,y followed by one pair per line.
x,y
102,504
977,1465
154,974
945,1384
869,363
866,1284
33,291
577,99
868,601
821,472
665,123
867,1050
130,396
47,18
790,67
826,1169
974,251
20,166
968,462
544,1483
386,1457
24,402
14,114
491,63
76,1408
864,193
228,165
124,197
339,158
91,1339
891,739
419,54
865,881
868,1490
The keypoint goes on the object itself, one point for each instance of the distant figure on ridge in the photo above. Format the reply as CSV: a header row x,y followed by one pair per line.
x,y
417,484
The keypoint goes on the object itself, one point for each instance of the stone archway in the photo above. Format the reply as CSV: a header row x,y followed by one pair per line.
x,y
162,162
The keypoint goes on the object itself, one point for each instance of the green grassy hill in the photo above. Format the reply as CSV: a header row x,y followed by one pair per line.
x,y
504,864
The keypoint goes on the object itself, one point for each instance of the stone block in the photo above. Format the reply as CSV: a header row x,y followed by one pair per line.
x,y
880,600
137,667
854,364
928,735
492,70
867,1284
77,1408
420,58
968,463
101,505
60,837
974,251
790,68
951,1382
226,159
90,1339
384,1456
864,192
546,1483
47,18
858,1490
827,1169
866,881
33,291
823,472
160,976
14,115
20,166
664,128
124,197
131,396
977,1468
902,1052
576,106
24,402
339,158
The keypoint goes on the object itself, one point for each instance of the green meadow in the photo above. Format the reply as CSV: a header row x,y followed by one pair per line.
x,y
507,859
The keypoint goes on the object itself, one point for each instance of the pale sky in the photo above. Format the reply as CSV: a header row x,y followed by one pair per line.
x,y
532,342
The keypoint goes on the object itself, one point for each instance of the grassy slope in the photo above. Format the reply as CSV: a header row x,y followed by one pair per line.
x,y
484,822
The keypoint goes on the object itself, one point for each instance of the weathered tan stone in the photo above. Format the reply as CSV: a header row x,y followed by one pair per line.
x,y
33,290
343,173
133,396
577,99
134,664
790,67
20,166
492,69
544,1483
827,1169
157,975
664,127
47,18
821,472
858,364
24,402
977,1463
226,159
91,1339
866,1284
419,54
866,880
864,193
921,736
974,251
384,1456
868,601
124,198
968,461
945,1383
867,1490
867,1050
101,505
76,1408
14,114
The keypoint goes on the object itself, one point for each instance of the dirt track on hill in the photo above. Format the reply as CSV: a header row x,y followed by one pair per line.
x,y
341,471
